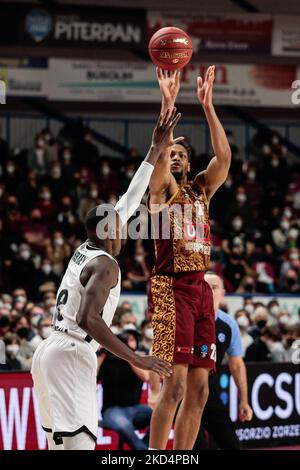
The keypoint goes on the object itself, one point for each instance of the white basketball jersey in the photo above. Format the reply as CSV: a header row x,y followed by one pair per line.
x,y
70,292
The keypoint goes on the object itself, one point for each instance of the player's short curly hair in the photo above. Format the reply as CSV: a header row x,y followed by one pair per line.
x,y
185,145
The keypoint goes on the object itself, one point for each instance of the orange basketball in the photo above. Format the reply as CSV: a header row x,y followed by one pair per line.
x,y
170,48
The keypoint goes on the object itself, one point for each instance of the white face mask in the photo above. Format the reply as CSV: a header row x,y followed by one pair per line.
x,y
275,162
275,310
129,326
249,308
46,331
294,256
284,319
12,349
94,194
251,175
139,258
25,254
287,213
284,224
58,241
115,330
46,268
105,170
46,196
129,173
243,321
237,224
39,152
241,197
149,333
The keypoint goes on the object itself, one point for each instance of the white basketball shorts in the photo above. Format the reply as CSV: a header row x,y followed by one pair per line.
x,y
64,370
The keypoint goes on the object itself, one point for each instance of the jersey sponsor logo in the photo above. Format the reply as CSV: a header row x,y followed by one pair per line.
x,y
204,350
79,258
185,349
199,232
221,337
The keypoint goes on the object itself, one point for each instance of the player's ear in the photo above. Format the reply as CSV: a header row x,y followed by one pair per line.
x,y
189,167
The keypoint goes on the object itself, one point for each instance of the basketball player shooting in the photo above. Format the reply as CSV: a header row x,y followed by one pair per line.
x,y
180,301
64,365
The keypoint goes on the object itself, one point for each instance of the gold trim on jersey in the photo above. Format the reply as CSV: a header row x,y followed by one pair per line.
x,y
164,317
163,204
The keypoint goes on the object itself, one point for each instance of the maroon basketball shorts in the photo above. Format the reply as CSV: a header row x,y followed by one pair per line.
x,y
183,319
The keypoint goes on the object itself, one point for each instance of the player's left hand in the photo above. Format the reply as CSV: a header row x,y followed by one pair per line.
x,y
163,132
245,412
204,88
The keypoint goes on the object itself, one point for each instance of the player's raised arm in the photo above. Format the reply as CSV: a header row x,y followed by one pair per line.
x,y
131,200
103,276
216,172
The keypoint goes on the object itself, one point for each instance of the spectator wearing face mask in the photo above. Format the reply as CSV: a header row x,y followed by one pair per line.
x,y
58,252
122,386
46,205
291,341
12,176
128,321
46,275
39,158
35,231
280,235
66,218
137,271
234,271
55,181
44,330
274,310
23,271
259,318
242,318
145,344
240,206
267,348
248,285
290,282
12,347
92,199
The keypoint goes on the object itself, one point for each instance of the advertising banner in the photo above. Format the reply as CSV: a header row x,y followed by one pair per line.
x,y
235,84
286,36
72,26
274,395
218,32
25,77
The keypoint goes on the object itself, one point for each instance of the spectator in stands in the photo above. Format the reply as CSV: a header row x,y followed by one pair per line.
x,y
58,252
12,347
267,347
242,318
128,320
260,318
137,270
35,231
46,275
145,344
122,386
39,158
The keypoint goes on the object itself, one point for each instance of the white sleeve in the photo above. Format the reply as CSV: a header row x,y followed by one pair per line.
x,y
131,200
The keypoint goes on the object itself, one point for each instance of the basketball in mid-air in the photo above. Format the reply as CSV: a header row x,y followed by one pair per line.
x,y
170,48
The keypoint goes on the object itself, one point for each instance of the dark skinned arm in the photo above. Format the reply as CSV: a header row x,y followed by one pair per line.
x,y
102,274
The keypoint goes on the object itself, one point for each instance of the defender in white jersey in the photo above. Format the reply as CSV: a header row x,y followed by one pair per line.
x,y
64,366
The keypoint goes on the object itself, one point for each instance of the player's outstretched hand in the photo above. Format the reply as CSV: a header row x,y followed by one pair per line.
x,y
162,368
204,88
163,132
169,84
